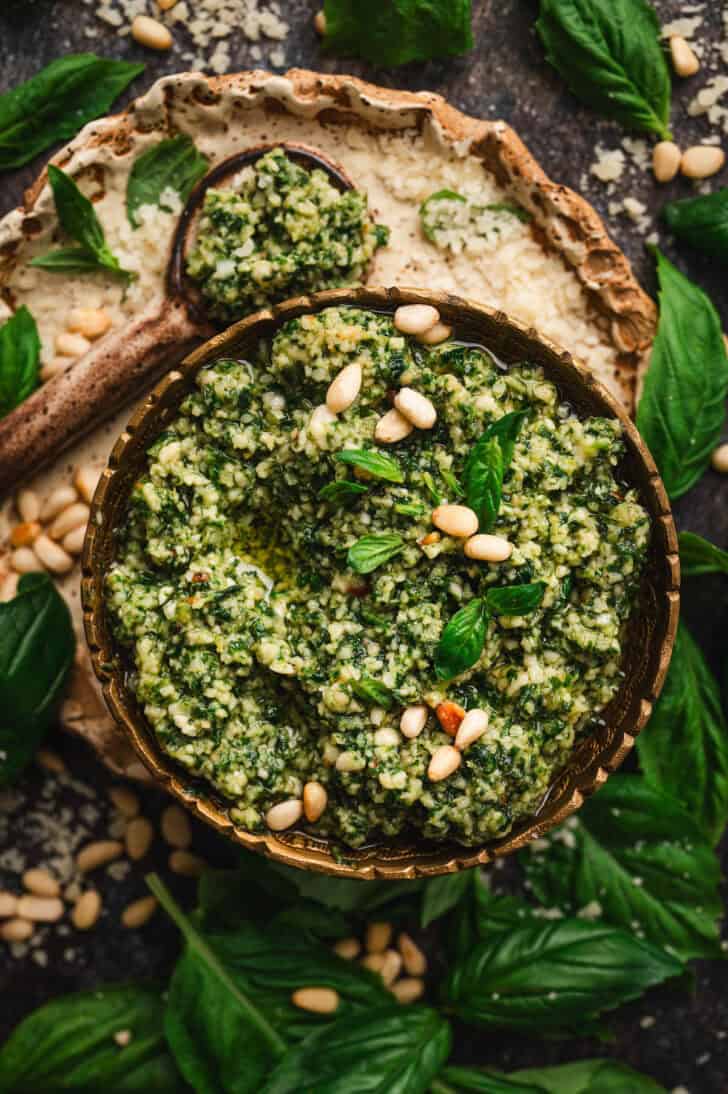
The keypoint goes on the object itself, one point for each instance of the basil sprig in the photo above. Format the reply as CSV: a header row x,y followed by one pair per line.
x,y
372,551
53,105
78,219
610,54
173,164
461,642
698,556
19,359
701,221
486,465
682,409
374,463
396,33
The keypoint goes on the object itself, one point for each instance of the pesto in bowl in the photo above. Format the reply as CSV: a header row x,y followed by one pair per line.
x,y
285,597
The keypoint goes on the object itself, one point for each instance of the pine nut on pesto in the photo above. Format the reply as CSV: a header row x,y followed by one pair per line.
x,y
283,613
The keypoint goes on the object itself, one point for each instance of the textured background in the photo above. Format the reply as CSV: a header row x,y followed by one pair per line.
x,y
504,77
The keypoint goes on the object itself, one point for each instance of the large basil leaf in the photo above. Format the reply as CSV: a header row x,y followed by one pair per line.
x,y
68,1044
636,856
453,1080
681,412
515,599
701,221
19,359
55,103
371,552
486,465
590,1077
698,556
442,894
36,653
610,55
173,164
684,748
391,1050
462,640
374,463
399,31
553,977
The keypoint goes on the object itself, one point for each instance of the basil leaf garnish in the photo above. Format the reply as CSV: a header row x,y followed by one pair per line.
x,y
682,409
515,599
67,260
372,691
698,556
394,34
631,830
582,1077
487,464
341,490
461,642
375,463
372,551
19,359
426,208
78,218
53,105
581,968
684,749
610,54
409,508
172,164
702,221
37,645
441,895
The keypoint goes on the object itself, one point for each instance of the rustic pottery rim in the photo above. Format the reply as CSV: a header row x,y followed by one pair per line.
x,y
649,644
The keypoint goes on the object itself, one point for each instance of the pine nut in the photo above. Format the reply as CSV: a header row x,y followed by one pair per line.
x,y
316,1000
186,864
54,368
315,800
8,587
415,318
284,815
138,838
455,520
319,23
344,389
443,763
373,962
16,930
684,60
440,332
86,480
176,828
40,883
319,423
484,548
24,534
348,948
349,761
86,910
473,726
387,737
70,518
50,761
378,936
415,408
9,905
450,715
73,541
413,959
719,459
58,499
71,345
666,158
138,912
392,427
52,555
701,161
98,853
25,561
429,539
408,990
150,33
28,505
90,322
413,720
40,909
391,967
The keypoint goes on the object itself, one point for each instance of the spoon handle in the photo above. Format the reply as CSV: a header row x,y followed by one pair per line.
x,y
91,390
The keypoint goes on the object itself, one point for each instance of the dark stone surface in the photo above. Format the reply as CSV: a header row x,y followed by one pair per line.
x,y
505,77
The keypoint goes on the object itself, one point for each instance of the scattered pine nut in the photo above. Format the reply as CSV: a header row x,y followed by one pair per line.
x,y
316,1000
440,332
138,837
416,408
139,912
391,967
318,424
485,548
392,427
71,345
666,157
24,560
74,516
471,729
73,541
27,503
413,720
373,962
450,715
58,499
40,909
344,388
319,23
444,761
86,480
719,459
25,533
413,959
175,827
9,905
348,948
16,930
150,33
186,864
315,800
40,883
455,520
701,161
98,853
50,761
86,910
408,990
415,318
684,60
90,322
378,936
52,555
284,815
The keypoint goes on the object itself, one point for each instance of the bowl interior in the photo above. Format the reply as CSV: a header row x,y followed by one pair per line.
x,y
648,645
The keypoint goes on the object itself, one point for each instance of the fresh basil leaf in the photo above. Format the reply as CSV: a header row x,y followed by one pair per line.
x,y
19,359
610,54
399,31
442,894
37,645
372,691
698,556
375,463
68,1044
427,206
341,491
173,164
684,748
553,977
702,221
682,409
53,105
589,1077
487,464
67,260
391,1050
462,640
409,509
370,552
454,1080
357,897
515,599
481,914
634,856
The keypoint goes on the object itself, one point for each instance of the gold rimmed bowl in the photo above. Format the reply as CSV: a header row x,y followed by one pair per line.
x,y
647,648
